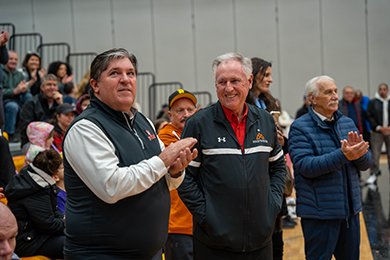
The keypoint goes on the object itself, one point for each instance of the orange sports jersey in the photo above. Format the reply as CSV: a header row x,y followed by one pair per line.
x,y
180,219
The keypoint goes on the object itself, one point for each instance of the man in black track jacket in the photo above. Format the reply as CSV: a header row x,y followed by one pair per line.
x,y
234,187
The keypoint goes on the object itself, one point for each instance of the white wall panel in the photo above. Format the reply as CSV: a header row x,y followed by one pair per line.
x,y
92,20
53,21
174,42
256,33
300,52
345,43
133,30
214,36
379,43
18,12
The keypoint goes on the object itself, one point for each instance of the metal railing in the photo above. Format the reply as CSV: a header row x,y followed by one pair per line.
x,y
203,98
144,81
80,63
51,52
24,43
159,94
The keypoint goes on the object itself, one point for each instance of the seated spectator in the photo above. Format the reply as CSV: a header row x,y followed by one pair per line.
x,y
15,93
32,198
63,72
61,195
81,87
82,103
8,232
40,108
70,93
41,136
65,114
32,72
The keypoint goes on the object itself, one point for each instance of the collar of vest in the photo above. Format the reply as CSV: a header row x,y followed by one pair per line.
x,y
118,115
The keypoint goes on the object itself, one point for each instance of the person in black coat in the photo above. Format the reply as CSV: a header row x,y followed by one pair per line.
x,y
32,197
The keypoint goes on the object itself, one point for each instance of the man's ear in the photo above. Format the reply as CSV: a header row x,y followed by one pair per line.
x,y
94,85
170,115
250,81
55,177
312,99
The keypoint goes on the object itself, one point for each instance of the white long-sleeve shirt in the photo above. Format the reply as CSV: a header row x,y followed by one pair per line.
x,y
92,156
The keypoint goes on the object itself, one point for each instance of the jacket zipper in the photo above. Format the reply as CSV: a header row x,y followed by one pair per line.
x,y
134,131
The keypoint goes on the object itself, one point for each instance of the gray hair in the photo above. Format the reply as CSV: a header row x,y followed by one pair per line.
x,y
49,76
245,62
312,86
101,61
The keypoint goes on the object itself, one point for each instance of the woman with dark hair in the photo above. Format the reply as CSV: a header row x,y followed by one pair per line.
x,y
63,72
33,72
259,96
32,197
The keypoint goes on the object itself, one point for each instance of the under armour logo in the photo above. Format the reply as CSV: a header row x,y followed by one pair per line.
x,y
221,139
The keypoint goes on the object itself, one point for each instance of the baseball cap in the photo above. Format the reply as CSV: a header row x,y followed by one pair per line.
x,y
181,93
65,108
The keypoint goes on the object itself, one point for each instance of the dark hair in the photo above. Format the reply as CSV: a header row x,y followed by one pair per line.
x,y
48,161
260,66
101,61
383,84
28,56
68,87
55,66
158,122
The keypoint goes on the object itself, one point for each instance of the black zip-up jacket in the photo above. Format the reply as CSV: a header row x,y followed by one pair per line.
x,y
35,109
375,111
32,197
234,196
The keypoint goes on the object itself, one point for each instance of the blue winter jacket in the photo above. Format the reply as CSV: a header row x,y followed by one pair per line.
x,y
325,180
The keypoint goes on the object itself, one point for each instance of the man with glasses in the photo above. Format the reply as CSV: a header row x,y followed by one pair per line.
x,y
41,107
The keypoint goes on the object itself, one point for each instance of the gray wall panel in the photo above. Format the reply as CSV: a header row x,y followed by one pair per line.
x,y
300,51
92,20
53,21
19,12
133,30
174,42
214,36
344,43
378,42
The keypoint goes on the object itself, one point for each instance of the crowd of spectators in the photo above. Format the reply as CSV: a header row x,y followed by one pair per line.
x,y
37,105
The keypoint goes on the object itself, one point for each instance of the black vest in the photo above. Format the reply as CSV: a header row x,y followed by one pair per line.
x,y
132,228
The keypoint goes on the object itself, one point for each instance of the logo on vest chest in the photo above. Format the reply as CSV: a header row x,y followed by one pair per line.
x,y
150,135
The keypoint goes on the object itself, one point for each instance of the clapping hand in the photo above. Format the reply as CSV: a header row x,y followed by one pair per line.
x,y
355,147
4,37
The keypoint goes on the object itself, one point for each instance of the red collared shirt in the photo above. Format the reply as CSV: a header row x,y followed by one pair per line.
x,y
238,127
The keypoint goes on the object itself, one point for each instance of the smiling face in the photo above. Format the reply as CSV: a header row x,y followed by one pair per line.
x,y
262,84
326,103
33,63
232,86
12,61
62,70
117,86
49,89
